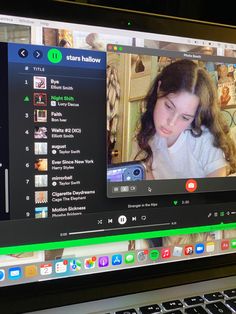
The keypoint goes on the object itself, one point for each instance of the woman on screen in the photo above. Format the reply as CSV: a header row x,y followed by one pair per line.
x,y
182,133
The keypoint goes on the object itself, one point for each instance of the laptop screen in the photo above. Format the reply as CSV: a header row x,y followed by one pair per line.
x,y
117,144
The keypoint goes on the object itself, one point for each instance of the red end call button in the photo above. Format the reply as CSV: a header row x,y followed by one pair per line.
x,y
191,185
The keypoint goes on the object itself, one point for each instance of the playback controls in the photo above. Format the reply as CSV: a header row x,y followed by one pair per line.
x,y
127,223
155,220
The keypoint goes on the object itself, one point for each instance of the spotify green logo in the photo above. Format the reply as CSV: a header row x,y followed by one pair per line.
x,y
154,255
54,55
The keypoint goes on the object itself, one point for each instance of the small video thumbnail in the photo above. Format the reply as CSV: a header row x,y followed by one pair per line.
x,y
41,212
40,115
127,171
41,164
41,197
41,181
40,132
40,82
40,148
40,99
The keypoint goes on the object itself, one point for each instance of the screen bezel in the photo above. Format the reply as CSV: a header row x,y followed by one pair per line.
x,y
85,288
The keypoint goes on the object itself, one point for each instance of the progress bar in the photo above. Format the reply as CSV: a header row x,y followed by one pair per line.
x,y
114,229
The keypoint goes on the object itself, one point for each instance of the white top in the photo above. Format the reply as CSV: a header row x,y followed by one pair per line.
x,y
188,157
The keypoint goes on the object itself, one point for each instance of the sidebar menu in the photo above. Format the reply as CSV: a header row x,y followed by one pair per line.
x,y
57,130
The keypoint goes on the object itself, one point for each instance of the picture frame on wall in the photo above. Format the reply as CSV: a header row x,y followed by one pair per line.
x,y
227,95
140,76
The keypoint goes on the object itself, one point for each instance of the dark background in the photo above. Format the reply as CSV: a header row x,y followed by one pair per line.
x,y
205,10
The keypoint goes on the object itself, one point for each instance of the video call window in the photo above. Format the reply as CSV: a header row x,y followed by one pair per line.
x,y
161,134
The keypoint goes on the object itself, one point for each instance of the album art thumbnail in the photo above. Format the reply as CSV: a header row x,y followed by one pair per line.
x,y
40,132
40,148
41,212
41,181
40,82
41,197
40,99
40,115
41,164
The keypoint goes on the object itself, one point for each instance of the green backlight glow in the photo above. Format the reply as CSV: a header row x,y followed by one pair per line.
x,y
115,238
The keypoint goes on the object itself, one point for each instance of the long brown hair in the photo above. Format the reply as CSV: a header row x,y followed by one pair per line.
x,y
186,75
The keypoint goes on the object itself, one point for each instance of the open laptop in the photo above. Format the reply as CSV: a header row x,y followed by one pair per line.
x,y
90,222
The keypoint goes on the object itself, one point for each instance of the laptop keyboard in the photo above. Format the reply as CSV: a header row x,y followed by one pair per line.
x,y
214,303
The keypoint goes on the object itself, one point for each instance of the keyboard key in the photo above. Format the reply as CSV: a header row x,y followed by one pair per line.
x,y
150,309
130,311
171,305
194,300
214,296
195,310
231,293
218,307
231,304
